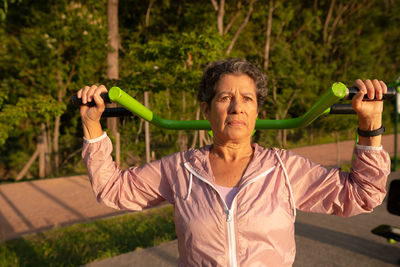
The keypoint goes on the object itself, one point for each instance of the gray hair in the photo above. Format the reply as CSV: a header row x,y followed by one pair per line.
x,y
215,70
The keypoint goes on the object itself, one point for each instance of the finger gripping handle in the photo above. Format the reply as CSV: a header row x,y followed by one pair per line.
x,y
352,91
75,101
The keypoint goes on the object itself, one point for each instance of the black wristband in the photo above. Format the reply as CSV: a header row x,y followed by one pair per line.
x,y
371,133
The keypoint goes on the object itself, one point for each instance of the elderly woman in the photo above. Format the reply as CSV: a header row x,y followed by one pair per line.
x,y
235,202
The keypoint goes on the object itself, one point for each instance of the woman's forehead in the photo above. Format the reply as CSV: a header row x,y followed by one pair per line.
x,y
234,82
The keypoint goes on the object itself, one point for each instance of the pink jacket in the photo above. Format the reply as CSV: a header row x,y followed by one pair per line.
x,y
258,230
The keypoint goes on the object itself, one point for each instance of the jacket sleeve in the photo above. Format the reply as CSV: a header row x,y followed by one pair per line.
x,y
332,191
134,189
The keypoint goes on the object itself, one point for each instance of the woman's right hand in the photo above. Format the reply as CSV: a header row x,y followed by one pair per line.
x,y
89,94
91,115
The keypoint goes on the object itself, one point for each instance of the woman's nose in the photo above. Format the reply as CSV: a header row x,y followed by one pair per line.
x,y
236,106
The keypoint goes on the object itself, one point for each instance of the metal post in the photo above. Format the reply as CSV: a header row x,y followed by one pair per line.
x,y
146,128
396,123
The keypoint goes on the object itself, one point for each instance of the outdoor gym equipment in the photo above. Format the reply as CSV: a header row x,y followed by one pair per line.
x,y
324,105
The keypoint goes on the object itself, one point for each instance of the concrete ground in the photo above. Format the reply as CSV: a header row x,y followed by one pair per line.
x,y
30,207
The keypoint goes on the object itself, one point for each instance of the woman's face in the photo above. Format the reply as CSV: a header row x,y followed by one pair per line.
x,y
233,109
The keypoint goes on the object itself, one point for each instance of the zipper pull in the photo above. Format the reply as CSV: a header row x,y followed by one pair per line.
x,y
228,215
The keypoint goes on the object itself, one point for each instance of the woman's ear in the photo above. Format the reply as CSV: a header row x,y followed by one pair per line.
x,y
204,109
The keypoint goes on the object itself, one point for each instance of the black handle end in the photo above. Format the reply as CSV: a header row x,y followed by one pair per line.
x,y
342,109
75,101
352,91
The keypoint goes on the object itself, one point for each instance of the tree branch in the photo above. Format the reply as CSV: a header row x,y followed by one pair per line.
x,y
233,19
245,21
289,104
71,156
337,20
215,5
148,13
328,18
73,72
268,35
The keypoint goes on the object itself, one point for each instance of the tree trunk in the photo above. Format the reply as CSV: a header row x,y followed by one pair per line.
x,y
182,137
146,129
112,60
280,134
220,18
42,154
56,133
139,130
268,35
49,168
182,141
147,22
146,94
284,138
58,118
55,143
196,133
337,135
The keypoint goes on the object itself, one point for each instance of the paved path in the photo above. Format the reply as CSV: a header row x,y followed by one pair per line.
x,y
29,207
39,205
334,155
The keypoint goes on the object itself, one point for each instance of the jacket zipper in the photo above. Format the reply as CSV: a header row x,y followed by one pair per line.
x,y
230,212
231,237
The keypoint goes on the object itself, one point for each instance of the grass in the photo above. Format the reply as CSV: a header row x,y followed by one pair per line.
x,y
85,242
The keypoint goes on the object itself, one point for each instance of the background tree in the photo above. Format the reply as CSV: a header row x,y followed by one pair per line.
x,y
50,50
112,66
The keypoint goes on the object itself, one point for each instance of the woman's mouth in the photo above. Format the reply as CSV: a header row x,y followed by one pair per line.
x,y
236,123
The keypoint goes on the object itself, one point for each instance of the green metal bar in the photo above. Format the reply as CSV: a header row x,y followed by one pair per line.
x,y
117,95
322,106
181,125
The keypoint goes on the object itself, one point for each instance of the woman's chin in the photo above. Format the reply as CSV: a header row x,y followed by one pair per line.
x,y
237,135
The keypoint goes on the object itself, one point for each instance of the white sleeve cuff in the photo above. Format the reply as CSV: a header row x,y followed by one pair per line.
x,y
104,135
374,148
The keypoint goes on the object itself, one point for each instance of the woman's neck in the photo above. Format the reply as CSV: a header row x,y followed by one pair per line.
x,y
232,151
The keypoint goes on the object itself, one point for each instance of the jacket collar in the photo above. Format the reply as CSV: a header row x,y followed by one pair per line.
x,y
262,160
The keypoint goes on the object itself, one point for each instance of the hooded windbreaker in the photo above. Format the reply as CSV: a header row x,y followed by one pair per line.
x,y
258,229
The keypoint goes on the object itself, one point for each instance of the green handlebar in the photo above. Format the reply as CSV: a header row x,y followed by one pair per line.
x,y
337,92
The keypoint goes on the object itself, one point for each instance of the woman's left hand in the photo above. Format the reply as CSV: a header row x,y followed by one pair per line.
x,y
369,111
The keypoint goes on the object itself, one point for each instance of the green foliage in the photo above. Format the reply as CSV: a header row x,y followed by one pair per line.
x,y
4,8
162,63
85,242
47,52
165,45
37,109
